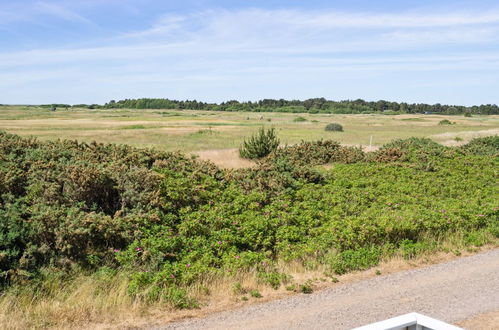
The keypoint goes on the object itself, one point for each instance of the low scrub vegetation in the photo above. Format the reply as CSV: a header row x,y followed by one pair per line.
x,y
154,225
445,122
333,127
317,153
299,119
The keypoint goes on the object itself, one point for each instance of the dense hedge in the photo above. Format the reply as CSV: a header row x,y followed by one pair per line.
x,y
169,220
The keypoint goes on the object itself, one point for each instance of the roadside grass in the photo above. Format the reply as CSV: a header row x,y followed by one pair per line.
x,y
100,300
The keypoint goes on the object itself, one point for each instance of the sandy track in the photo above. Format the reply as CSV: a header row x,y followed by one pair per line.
x,y
452,291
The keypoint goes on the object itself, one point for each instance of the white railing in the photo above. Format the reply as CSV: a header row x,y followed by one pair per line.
x,y
411,321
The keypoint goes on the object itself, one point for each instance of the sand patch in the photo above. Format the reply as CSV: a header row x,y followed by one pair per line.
x,y
224,158
459,138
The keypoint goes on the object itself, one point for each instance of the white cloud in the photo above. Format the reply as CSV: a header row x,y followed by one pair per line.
x,y
186,53
59,11
37,12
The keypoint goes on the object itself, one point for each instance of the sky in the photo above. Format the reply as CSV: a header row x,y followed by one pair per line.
x,y
93,51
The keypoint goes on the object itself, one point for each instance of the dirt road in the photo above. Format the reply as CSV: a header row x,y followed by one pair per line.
x,y
451,292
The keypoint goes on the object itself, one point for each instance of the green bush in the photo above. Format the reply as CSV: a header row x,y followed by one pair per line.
x,y
484,146
360,259
255,294
317,153
417,150
306,288
412,249
260,144
299,119
445,122
274,278
333,127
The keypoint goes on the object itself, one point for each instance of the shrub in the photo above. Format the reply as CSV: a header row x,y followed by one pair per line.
x,y
274,278
360,259
299,119
333,127
255,294
306,288
468,114
418,150
484,146
494,229
317,153
411,249
260,144
178,298
445,122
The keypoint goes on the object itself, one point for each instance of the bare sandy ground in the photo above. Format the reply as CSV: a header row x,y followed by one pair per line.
x,y
224,158
229,158
448,139
464,291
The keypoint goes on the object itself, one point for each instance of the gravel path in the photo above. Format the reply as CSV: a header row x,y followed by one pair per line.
x,y
451,291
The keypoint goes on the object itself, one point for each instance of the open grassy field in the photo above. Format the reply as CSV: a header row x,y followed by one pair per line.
x,y
207,132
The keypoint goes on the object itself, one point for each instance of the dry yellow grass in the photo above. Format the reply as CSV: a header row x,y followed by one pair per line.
x,y
186,130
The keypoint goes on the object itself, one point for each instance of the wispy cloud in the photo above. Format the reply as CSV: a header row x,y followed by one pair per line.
x,y
59,11
38,12
215,50
282,33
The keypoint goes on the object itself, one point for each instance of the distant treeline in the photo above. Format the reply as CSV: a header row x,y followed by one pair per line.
x,y
316,105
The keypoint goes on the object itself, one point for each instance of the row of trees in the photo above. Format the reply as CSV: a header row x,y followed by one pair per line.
x,y
315,105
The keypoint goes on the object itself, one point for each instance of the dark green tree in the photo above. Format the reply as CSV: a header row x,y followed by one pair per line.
x,y
260,144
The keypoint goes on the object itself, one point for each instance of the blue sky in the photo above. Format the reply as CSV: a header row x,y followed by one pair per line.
x,y
92,51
